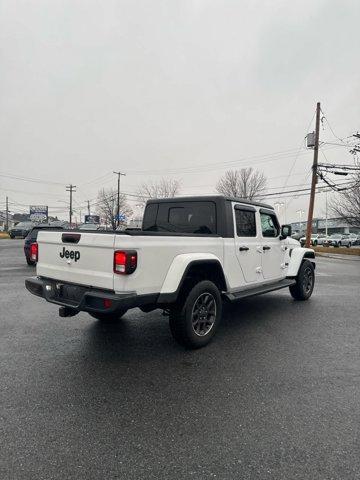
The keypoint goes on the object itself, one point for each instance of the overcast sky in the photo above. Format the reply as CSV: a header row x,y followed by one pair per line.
x,y
172,87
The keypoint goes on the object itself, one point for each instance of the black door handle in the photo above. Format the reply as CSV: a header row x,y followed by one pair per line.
x,y
266,247
243,249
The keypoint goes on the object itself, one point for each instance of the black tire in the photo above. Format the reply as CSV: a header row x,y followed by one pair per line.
x,y
305,281
108,317
194,319
30,262
315,243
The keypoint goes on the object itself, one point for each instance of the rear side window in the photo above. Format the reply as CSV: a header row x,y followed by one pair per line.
x,y
184,217
269,225
150,214
245,223
34,234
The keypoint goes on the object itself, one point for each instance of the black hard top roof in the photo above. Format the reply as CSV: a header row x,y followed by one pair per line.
x,y
208,198
41,226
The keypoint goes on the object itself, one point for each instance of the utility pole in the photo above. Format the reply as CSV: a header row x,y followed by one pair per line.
x,y
7,215
88,203
314,177
70,188
119,174
326,213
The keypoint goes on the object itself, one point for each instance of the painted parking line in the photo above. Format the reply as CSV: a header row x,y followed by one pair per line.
x,y
20,267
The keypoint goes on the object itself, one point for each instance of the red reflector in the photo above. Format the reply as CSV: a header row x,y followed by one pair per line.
x,y
125,262
107,303
34,252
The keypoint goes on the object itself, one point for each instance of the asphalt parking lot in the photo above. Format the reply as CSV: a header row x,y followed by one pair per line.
x,y
275,396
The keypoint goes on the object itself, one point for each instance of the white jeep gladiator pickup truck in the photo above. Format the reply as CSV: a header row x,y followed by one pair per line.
x,y
190,255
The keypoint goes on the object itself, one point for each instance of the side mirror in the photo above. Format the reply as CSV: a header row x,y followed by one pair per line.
x,y
285,231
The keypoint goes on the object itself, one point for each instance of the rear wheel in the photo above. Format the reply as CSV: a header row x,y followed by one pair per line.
x,y
194,319
108,317
305,282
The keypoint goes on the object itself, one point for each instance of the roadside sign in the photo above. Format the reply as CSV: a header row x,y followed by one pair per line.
x,y
92,219
39,213
121,217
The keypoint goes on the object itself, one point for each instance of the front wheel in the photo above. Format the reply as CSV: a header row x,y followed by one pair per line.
x,y
194,320
108,317
305,282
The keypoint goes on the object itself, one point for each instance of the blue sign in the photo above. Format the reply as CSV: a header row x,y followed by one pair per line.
x,y
121,217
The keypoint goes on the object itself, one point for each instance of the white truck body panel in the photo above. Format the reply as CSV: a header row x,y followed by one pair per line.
x,y
162,260
156,255
296,259
178,268
94,268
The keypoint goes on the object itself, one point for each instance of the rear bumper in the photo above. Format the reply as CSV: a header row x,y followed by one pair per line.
x,y
86,299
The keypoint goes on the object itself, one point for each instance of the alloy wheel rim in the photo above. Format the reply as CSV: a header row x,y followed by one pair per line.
x,y
203,314
308,280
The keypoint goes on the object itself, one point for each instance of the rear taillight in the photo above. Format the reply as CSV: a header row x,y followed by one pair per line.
x,y
125,261
34,252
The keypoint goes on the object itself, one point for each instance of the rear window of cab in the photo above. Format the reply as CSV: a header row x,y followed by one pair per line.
x,y
184,217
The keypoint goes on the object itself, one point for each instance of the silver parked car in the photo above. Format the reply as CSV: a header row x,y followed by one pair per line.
x,y
316,239
338,240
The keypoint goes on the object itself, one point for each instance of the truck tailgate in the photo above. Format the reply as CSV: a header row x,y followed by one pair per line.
x,y
89,261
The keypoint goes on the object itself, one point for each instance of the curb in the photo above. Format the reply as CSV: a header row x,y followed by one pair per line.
x,y
338,256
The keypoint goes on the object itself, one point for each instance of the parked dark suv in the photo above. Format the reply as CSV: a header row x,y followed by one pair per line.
x,y
21,230
30,244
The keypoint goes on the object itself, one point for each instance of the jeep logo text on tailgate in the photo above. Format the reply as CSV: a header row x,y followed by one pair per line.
x,y
70,254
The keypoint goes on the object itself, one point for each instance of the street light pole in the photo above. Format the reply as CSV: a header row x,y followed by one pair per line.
x,y
278,206
119,174
7,215
326,213
300,212
70,188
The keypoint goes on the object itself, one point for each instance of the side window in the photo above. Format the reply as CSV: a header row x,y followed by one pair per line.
x,y
269,225
187,217
149,220
34,234
245,223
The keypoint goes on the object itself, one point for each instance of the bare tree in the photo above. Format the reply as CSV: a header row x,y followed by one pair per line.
x,y
164,188
107,206
245,183
347,203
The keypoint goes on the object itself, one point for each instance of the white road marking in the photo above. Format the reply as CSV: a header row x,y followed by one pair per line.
x,y
12,268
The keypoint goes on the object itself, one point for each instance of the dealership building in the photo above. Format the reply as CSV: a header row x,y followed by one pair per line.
x,y
334,225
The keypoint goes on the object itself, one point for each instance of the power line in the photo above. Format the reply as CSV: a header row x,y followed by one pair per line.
x,y
297,156
29,179
332,130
